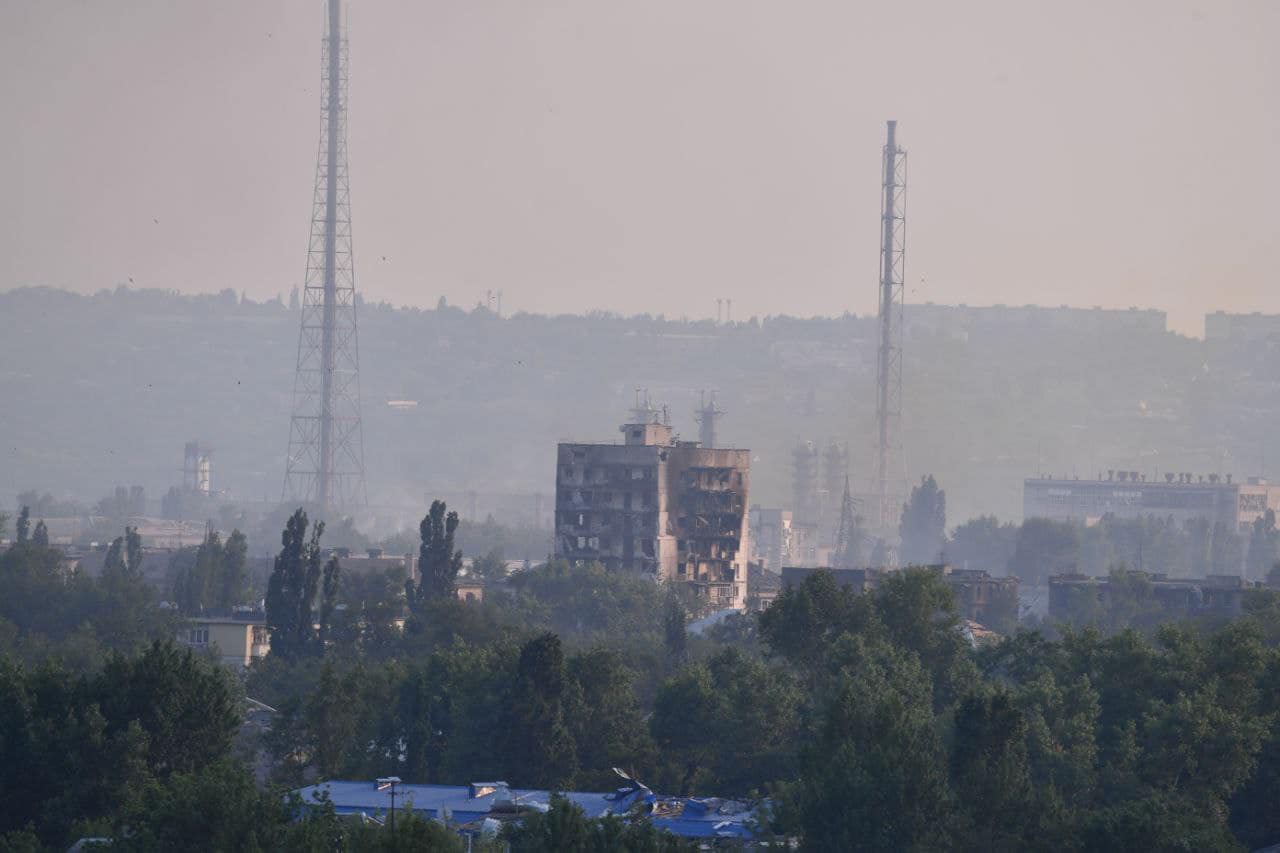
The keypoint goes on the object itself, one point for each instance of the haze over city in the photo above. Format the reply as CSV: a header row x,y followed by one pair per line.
x,y
581,427
650,158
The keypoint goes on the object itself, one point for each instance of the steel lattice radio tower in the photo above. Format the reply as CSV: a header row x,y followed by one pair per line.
x,y
890,473
326,444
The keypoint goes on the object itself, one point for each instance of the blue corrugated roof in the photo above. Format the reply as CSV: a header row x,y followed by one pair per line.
x,y
690,817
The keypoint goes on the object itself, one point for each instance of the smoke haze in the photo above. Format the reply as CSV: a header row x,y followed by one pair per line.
x,y
654,157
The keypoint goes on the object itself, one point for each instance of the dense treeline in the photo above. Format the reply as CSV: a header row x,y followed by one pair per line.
x,y
48,611
868,721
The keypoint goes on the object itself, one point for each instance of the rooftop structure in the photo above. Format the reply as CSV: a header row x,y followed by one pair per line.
x,y
673,510
1129,494
1223,594
482,807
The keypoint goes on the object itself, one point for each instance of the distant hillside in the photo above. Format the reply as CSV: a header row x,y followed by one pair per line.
x,y
104,389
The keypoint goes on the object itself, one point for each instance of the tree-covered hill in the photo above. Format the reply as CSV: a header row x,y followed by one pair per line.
x,y
105,388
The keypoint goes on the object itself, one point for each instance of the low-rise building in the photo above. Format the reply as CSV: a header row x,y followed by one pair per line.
x,y
481,808
237,638
1176,597
470,588
763,587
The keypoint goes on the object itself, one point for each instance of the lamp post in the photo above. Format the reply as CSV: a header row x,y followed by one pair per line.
x,y
389,783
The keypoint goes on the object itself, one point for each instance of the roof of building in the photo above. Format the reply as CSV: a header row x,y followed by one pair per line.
x,y
689,817
979,635
762,580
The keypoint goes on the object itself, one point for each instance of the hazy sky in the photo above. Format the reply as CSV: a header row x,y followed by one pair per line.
x,y
652,156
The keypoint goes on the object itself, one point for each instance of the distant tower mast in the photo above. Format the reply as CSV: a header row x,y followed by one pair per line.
x,y
708,415
893,238
848,544
326,443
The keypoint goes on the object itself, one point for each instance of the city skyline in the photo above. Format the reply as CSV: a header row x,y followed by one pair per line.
x,y
588,158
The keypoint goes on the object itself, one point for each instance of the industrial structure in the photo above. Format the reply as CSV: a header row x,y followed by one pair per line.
x,y
846,552
657,506
325,465
772,538
1181,497
708,417
889,486
196,468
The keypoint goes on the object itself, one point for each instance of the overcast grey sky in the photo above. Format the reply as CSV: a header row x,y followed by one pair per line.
x,y
652,156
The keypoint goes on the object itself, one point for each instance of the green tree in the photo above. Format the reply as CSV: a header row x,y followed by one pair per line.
x,y
991,774
438,562
675,630
540,748
874,777
983,543
924,524
234,586
608,721
425,722
1044,548
333,719
1263,541
40,538
917,611
215,807
24,525
729,724
491,567
291,590
803,620
566,827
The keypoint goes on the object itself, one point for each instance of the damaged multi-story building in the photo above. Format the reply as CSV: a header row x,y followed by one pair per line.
x,y
655,505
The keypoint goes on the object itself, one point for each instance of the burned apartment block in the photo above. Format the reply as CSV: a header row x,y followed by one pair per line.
x,y
670,509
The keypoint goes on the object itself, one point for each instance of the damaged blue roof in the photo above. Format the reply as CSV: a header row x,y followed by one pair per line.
x,y
689,817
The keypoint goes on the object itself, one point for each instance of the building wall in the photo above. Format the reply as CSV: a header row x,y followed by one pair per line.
x,y
1240,328
610,508
710,488
238,642
673,511
1087,501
